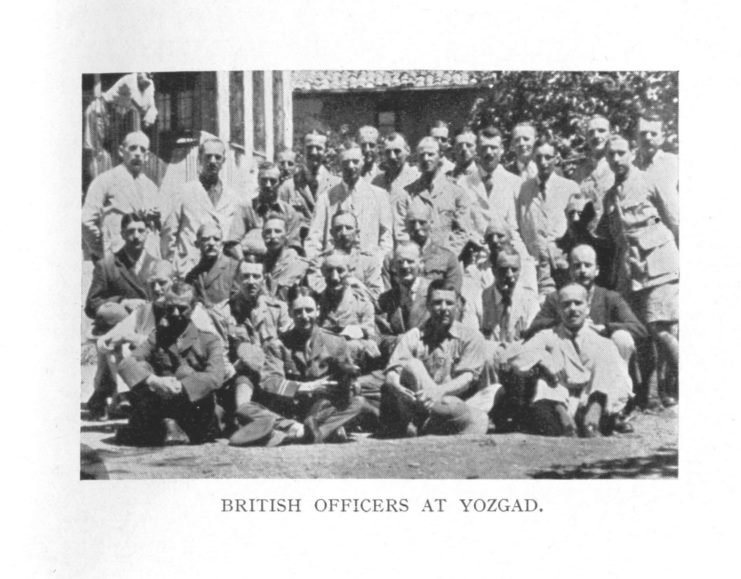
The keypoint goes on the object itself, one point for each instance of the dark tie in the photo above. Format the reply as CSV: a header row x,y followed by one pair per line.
x,y
488,184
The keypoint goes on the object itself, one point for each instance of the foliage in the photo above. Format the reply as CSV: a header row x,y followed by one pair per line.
x,y
559,103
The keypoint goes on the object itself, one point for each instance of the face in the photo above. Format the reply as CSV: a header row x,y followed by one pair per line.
x,y
210,243
441,135
490,151
495,240
369,148
597,132
443,306
134,235
334,270
396,153
134,152
274,234
418,228
507,273
545,160
287,164
344,231
406,265
465,148
177,311
252,279
572,301
619,157
650,135
351,162
268,180
583,266
314,150
523,140
212,158
159,285
429,158
304,313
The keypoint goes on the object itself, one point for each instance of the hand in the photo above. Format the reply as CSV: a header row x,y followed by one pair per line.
x,y
132,303
426,398
353,333
164,386
316,387
601,329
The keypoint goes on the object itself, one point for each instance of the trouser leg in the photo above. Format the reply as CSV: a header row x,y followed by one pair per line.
x,y
145,426
256,424
549,418
329,417
197,419
397,412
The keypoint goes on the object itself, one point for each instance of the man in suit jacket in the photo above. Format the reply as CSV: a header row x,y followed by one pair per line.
x,y
207,200
609,314
216,277
173,377
122,277
369,204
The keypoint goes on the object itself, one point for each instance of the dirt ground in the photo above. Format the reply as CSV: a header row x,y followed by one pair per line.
x,y
650,452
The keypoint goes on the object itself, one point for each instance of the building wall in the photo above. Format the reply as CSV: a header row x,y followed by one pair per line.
x,y
415,110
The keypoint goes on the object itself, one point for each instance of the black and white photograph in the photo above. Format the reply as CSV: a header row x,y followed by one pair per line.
x,y
380,274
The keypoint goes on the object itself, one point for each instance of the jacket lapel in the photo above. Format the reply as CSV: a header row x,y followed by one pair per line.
x,y
129,276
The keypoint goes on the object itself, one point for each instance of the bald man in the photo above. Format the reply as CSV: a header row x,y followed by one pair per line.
x,y
369,204
582,382
206,200
117,192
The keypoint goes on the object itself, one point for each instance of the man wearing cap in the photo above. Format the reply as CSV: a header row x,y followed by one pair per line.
x,y
120,191
440,131
541,203
252,214
582,383
465,155
643,221
660,166
369,204
310,181
284,267
215,278
397,173
435,379
451,215
286,161
364,266
491,188
122,277
173,377
205,201
522,145
306,377
368,141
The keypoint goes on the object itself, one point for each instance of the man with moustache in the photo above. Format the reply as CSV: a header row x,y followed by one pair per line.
x,y
173,377
364,266
435,379
369,204
582,383
451,219
312,179
207,200
284,267
397,173
252,214
123,190
215,278
368,141
465,155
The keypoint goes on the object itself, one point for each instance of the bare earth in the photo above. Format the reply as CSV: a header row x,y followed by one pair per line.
x,y
650,452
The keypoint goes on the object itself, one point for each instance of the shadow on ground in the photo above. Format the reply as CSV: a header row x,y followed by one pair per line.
x,y
663,464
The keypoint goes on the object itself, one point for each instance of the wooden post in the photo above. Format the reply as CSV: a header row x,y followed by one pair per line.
x,y
97,88
283,108
247,115
268,112
222,106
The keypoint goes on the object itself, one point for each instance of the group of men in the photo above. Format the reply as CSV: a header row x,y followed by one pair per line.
x,y
450,296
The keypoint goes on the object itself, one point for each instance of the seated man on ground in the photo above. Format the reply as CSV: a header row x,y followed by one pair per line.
x,y
436,381
582,382
306,391
173,377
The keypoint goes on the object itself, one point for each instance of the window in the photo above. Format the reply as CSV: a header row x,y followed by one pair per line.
x,y
386,122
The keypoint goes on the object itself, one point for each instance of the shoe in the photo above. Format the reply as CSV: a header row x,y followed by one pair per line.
x,y
591,431
174,435
312,434
669,401
622,426
120,406
97,407
339,435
